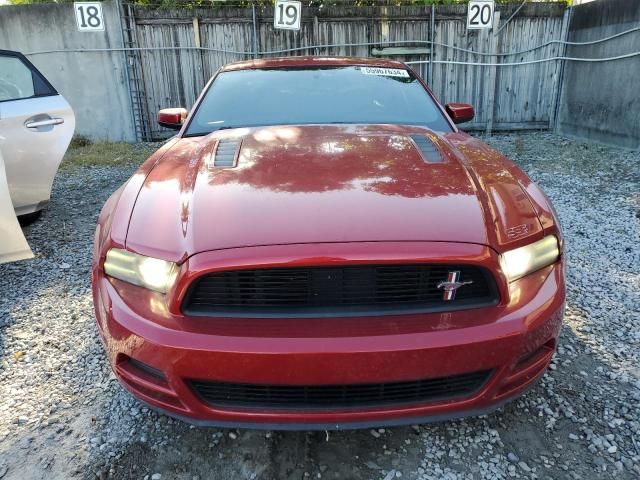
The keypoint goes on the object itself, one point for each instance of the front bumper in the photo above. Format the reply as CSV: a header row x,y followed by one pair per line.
x,y
515,340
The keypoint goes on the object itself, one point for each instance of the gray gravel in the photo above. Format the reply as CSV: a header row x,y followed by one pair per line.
x,y
63,415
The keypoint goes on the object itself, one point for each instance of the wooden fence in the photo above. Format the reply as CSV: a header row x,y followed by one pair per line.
x,y
505,97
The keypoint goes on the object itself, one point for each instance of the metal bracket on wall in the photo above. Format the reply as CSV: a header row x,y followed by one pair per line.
x,y
391,51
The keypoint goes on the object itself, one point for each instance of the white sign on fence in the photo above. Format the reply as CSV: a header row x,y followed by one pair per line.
x,y
480,14
89,16
287,15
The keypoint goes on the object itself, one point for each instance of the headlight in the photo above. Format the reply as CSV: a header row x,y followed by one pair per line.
x,y
525,260
151,273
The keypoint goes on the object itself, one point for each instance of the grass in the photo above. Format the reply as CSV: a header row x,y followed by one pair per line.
x,y
83,153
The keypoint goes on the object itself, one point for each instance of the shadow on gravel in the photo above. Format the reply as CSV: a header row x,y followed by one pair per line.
x,y
50,356
521,428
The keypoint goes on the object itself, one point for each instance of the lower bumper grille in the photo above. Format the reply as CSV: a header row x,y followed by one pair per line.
x,y
321,397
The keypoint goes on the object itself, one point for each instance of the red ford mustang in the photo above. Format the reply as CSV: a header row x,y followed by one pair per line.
x,y
321,247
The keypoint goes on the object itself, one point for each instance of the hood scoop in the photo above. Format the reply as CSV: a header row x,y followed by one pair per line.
x,y
226,153
427,149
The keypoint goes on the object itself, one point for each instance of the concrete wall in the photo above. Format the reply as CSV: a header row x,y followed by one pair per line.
x,y
93,83
601,101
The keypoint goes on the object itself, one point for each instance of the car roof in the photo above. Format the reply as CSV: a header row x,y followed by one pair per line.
x,y
311,61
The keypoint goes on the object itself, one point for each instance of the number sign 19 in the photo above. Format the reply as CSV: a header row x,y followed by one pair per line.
x,y
480,14
89,16
287,15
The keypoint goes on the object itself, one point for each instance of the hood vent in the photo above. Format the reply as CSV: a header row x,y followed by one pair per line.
x,y
427,148
226,153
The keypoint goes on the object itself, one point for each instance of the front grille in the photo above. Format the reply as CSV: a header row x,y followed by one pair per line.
x,y
337,291
318,397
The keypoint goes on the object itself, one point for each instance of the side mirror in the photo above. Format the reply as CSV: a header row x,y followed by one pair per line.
x,y
172,118
460,112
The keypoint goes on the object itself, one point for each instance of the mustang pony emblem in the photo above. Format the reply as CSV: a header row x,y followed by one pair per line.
x,y
451,285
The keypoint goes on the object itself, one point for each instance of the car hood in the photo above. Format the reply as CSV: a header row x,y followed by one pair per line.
x,y
316,184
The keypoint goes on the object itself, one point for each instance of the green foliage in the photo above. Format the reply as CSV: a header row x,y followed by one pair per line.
x,y
28,2
168,4
314,3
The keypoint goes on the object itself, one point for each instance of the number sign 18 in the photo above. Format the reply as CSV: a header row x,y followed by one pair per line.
x,y
89,16
287,15
480,14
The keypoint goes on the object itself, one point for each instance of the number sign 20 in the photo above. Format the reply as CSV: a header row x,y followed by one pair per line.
x,y
89,16
287,15
479,14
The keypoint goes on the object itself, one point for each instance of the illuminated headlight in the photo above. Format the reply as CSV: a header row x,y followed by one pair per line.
x,y
525,260
147,272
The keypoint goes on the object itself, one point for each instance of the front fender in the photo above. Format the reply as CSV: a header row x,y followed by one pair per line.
x,y
113,221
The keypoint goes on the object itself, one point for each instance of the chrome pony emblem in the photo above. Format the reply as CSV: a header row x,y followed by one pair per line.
x,y
451,285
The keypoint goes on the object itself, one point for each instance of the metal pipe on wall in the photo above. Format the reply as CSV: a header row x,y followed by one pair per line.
x,y
432,49
126,71
255,31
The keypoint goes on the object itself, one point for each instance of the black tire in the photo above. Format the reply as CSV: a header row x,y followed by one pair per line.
x,y
29,218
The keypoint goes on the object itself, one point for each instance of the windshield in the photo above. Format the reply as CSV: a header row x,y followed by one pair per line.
x,y
296,96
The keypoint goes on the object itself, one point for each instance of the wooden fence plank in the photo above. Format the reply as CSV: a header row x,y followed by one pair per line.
x,y
505,97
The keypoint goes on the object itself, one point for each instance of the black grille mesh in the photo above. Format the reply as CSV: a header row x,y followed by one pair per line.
x,y
339,396
334,291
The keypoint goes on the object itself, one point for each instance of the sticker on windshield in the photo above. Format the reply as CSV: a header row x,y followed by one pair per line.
x,y
385,72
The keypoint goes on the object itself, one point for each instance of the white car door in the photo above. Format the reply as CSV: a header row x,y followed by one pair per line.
x,y
36,126
13,245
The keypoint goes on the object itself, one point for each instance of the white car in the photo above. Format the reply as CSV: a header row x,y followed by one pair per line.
x,y
36,126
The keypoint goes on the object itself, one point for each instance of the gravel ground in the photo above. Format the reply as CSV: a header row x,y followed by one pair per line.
x,y
63,415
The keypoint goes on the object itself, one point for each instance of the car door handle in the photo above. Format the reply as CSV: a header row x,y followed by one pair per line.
x,y
44,123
